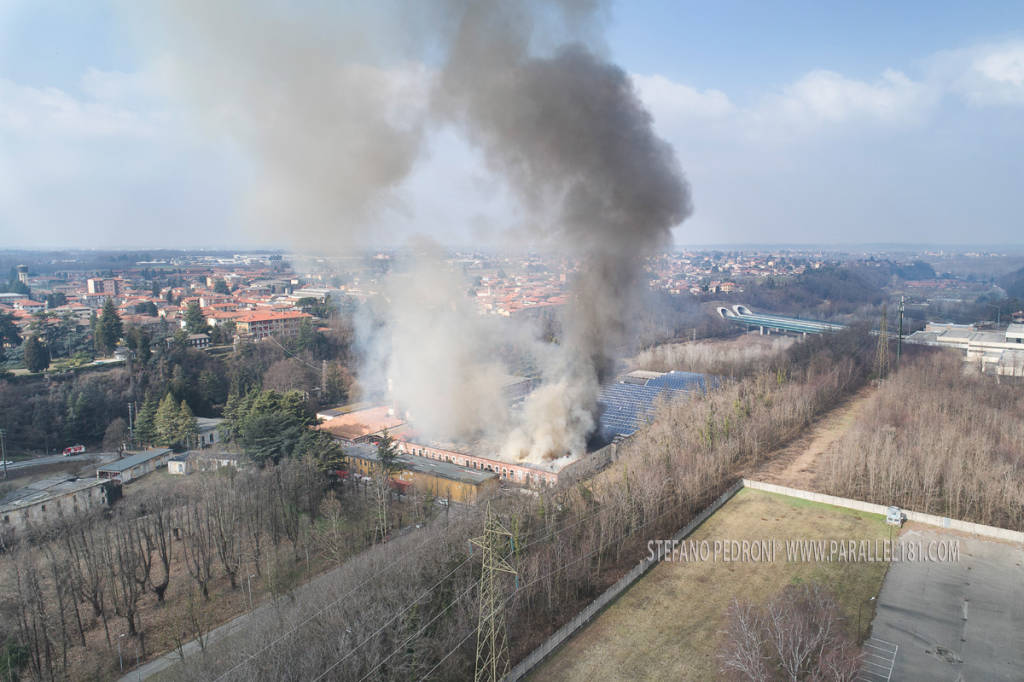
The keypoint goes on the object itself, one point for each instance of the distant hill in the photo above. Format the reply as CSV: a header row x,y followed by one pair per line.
x,y
1013,284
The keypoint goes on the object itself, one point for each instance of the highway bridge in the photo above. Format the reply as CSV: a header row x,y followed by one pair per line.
x,y
767,322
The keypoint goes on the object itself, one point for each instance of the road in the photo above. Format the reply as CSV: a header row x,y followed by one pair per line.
x,y
59,459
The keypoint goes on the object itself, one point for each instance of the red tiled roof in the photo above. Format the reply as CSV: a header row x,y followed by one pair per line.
x,y
268,316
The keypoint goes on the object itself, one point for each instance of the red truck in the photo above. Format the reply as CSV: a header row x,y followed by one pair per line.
x,y
74,450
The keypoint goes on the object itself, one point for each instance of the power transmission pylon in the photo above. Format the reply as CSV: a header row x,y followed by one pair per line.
x,y
882,355
899,337
491,639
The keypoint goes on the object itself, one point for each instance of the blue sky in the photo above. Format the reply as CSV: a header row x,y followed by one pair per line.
x,y
795,123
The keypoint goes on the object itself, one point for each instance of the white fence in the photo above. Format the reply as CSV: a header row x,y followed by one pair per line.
x,y
919,517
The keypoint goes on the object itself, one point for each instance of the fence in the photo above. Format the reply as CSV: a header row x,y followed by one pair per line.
x,y
609,595
919,517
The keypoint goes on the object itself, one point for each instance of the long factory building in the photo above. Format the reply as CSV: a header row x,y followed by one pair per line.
x,y
625,405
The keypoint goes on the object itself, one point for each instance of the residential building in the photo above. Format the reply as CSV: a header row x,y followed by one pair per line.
x,y
259,324
109,286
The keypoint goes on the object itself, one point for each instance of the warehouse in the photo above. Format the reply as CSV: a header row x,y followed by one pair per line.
x,y
432,478
44,501
134,465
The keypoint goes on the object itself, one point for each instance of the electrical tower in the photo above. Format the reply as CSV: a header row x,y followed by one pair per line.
x,y
491,640
882,355
899,337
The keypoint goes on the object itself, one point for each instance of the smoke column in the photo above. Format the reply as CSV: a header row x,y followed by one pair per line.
x,y
336,125
571,136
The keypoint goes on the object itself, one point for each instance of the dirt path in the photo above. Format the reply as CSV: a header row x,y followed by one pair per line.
x,y
796,465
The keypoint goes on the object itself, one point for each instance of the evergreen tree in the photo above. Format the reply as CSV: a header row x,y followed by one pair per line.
x,y
195,320
8,333
145,423
37,357
108,328
187,430
167,421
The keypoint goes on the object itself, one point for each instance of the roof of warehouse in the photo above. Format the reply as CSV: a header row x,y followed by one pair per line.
x,y
44,489
134,460
423,465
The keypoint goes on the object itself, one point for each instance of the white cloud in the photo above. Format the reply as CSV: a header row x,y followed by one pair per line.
x,y
678,101
830,98
987,75
26,110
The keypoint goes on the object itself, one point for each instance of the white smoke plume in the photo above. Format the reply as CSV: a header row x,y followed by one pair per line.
x,y
336,118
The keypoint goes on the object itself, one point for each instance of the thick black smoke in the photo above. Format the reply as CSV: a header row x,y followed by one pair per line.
x,y
335,128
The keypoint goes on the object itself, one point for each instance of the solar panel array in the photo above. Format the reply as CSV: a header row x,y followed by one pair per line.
x,y
682,381
626,406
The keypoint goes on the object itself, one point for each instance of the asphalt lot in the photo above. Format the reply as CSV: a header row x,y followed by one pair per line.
x,y
955,621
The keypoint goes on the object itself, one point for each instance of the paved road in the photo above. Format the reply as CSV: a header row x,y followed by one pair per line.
x,y
962,620
56,459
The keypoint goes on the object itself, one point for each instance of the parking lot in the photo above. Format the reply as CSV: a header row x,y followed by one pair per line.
x,y
953,621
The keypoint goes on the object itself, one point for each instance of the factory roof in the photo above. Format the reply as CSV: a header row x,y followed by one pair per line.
x,y
423,465
134,460
361,423
1015,331
42,490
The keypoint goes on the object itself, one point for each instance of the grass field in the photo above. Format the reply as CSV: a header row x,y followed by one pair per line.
x,y
668,625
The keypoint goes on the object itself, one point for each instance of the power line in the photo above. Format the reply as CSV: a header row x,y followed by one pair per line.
x,y
318,613
543,577
410,638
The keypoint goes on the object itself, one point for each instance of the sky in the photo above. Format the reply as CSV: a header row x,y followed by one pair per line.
x,y
795,122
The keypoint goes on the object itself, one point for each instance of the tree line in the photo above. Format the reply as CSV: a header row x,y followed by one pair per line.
x,y
936,439
160,566
408,608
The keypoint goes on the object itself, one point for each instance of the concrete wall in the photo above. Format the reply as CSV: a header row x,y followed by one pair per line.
x,y
918,517
609,595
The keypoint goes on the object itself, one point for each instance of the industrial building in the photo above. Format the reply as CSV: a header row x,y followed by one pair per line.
x,y
44,501
434,478
1000,353
135,465
624,406
361,425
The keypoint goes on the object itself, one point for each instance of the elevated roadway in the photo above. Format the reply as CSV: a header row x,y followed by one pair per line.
x,y
767,322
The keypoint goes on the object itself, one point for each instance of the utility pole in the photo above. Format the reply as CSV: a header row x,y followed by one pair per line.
x,y
882,353
491,639
899,338
3,452
131,426
323,379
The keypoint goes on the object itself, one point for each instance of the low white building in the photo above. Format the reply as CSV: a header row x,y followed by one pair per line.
x,y
135,465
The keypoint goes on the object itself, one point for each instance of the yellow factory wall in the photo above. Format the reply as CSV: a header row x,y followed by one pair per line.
x,y
429,484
